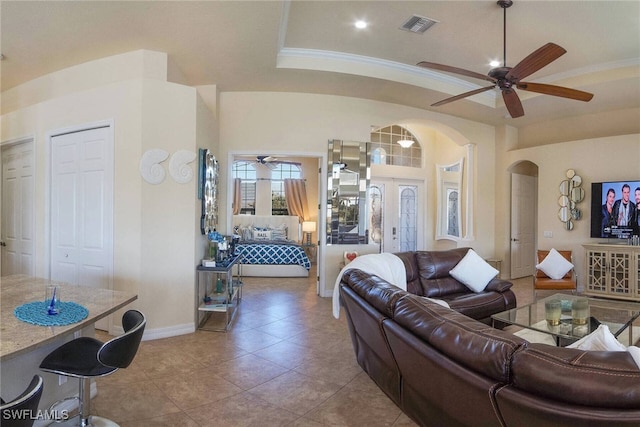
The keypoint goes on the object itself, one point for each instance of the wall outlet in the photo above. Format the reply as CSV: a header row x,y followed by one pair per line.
x,y
62,379
548,234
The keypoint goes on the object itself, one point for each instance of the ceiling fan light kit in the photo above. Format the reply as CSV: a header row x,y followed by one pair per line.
x,y
507,79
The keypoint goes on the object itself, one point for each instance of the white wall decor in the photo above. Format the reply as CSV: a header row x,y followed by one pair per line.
x,y
150,168
179,167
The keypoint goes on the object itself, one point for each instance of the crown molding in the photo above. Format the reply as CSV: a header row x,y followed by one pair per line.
x,y
339,62
590,69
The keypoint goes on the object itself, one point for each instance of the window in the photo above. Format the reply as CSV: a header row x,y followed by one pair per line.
x,y
385,149
246,171
282,171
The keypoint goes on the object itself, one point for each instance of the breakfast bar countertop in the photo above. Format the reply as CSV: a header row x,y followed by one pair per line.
x,y
18,337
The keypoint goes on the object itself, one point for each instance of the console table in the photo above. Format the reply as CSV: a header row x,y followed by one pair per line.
x,y
613,271
219,293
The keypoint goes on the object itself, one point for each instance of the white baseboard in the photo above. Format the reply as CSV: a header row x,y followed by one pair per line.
x,y
158,333
170,331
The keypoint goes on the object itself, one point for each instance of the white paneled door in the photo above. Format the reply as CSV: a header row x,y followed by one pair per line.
x,y
523,209
82,208
17,241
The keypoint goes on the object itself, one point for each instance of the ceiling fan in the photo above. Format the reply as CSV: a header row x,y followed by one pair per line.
x,y
271,161
508,78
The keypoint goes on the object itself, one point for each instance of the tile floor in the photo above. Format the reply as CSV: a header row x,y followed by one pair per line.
x,y
285,362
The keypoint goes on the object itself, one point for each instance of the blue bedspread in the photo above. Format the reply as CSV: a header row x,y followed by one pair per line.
x,y
273,253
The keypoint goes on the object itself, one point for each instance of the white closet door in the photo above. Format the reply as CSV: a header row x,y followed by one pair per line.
x,y
82,208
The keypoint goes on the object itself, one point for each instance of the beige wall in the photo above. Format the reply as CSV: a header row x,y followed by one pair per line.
x,y
302,124
156,238
595,160
157,241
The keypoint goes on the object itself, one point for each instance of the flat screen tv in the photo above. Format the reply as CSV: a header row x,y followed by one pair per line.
x,y
614,212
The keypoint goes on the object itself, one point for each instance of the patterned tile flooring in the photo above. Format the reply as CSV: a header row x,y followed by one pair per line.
x,y
285,362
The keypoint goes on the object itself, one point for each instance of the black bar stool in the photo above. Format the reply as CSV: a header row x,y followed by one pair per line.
x,y
86,357
22,411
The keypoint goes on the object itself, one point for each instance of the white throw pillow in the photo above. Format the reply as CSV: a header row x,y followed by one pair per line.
x,y
279,233
555,265
599,340
261,234
474,272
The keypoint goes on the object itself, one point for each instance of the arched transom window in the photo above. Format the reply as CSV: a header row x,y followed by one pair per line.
x,y
395,145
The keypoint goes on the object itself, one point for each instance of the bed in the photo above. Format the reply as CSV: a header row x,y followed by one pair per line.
x,y
270,246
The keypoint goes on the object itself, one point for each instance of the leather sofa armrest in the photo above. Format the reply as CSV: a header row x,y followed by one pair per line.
x,y
498,285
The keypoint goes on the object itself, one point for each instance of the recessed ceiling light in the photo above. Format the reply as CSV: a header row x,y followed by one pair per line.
x,y
360,24
494,63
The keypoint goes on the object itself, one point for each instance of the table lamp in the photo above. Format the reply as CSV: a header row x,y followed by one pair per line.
x,y
308,227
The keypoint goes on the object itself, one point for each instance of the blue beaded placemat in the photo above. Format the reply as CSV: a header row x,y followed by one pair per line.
x,y
36,313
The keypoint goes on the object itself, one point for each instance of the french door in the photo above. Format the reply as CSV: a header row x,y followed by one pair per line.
x,y
396,214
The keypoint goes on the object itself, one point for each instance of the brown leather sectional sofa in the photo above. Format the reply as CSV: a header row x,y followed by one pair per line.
x,y
443,368
428,276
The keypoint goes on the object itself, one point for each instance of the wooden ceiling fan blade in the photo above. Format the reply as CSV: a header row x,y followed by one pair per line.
x,y
455,70
512,102
535,61
560,91
462,95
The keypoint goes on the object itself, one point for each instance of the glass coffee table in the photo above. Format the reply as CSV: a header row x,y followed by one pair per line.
x,y
619,316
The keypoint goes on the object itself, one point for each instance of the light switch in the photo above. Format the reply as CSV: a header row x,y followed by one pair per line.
x,y
548,234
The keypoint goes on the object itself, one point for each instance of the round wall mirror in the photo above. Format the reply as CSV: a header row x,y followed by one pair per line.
x,y
571,193
564,214
577,194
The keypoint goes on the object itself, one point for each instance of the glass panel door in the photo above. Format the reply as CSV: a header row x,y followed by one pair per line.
x,y
394,215
407,218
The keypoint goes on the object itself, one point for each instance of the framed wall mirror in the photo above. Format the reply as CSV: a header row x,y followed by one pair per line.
x,y
208,191
348,183
449,194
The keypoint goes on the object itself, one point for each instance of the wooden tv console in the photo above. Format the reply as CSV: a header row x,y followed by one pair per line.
x,y
613,271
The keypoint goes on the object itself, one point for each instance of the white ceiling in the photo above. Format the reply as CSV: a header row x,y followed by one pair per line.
x,y
312,46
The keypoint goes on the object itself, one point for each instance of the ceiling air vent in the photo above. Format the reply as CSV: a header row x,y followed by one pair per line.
x,y
418,24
